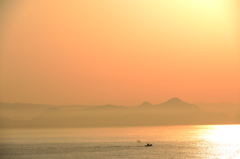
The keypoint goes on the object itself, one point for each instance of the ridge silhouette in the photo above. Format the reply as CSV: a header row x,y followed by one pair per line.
x,y
177,104
145,105
172,112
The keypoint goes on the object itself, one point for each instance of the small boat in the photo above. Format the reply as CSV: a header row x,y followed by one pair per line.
x,y
148,145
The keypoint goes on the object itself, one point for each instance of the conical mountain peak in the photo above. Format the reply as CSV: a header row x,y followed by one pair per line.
x,y
174,101
177,104
146,104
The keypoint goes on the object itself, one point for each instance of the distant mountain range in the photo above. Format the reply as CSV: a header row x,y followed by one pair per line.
x,y
172,112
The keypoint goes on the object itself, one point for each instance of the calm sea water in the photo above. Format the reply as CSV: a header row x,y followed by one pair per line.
x,y
169,142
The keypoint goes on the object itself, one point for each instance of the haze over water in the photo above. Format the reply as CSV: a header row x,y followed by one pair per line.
x,y
169,142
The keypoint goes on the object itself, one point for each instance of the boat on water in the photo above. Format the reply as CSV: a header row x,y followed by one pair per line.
x,y
148,145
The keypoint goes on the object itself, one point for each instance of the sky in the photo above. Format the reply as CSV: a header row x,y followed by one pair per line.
x,y
119,52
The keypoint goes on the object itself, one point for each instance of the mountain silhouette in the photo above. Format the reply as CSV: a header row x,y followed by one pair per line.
x,y
145,105
174,101
177,104
172,112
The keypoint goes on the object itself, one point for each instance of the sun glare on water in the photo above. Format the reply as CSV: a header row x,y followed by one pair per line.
x,y
225,140
228,134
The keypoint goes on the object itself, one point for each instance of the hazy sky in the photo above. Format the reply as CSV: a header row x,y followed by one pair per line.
x,y
119,51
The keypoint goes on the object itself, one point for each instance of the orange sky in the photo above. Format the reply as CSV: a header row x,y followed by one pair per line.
x,y
120,52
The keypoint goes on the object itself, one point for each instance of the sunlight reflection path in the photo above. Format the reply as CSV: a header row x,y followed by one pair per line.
x,y
225,140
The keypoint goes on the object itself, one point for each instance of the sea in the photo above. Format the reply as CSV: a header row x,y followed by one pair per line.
x,y
168,142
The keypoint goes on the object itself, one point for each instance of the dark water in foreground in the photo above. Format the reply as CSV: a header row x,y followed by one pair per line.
x,y
169,142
